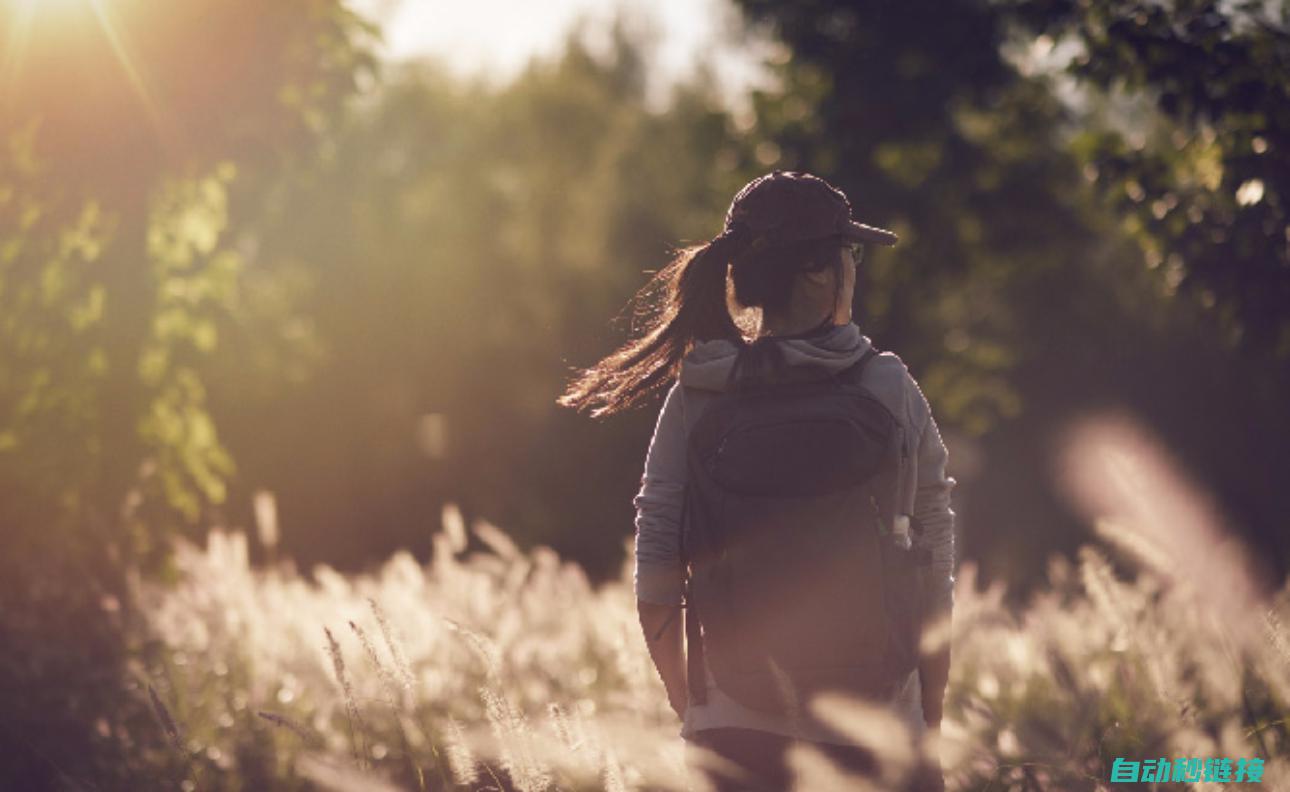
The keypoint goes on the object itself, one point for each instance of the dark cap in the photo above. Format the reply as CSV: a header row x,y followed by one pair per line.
x,y
790,206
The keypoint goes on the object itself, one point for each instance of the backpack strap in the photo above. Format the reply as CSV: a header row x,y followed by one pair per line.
x,y
922,556
853,372
694,677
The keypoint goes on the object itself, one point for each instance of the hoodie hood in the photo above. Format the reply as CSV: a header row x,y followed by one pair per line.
x,y
707,365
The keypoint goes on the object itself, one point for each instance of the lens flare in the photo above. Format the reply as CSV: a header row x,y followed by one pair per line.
x,y
20,15
62,24
133,70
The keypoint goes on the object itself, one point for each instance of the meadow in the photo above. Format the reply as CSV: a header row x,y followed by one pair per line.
x,y
360,282
501,668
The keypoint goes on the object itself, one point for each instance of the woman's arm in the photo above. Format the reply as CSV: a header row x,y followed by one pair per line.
x,y
659,577
662,627
933,513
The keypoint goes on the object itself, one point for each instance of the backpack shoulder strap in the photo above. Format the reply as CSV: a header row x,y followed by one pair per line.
x,y
852,373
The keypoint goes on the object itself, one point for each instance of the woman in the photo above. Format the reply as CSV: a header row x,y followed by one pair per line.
x,y
790,247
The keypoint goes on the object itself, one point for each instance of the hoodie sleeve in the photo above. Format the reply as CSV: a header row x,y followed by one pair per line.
x,y
659,577
932,503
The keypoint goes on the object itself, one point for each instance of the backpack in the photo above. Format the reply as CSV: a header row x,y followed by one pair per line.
x,y
797,583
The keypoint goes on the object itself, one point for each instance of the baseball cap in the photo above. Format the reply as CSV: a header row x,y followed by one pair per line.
x,y
792,206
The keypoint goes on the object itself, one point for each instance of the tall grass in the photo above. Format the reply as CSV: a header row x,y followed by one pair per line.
x,y
506,669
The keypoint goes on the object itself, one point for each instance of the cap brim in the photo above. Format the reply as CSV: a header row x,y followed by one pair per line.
x,y
864,233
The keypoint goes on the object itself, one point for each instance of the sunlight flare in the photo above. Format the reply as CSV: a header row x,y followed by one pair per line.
x,y
60,24
21,13
133,71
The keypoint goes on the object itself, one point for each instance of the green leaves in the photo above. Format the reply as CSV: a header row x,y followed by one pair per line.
x,y
1201,170
124,140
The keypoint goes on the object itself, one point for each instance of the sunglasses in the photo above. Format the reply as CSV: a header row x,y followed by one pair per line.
x,y
857,251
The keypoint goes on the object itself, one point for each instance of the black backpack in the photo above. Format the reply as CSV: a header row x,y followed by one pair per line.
x,y
797,583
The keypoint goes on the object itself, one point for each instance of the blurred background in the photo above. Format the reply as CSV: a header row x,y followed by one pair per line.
x,y
316,269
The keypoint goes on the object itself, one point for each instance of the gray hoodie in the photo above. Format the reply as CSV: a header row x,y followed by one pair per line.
x,y
924,494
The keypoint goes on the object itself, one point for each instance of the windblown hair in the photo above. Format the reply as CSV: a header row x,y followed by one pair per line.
x,y
689,301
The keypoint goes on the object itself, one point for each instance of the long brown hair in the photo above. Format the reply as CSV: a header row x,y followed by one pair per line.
x,y
687,302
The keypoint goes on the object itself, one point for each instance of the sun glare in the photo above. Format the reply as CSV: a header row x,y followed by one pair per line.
x,y
27,11
51,19
19,14
132,69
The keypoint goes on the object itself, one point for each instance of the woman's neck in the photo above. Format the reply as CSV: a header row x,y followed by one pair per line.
x,y
778,327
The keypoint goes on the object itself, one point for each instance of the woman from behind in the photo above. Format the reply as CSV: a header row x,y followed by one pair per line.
x,y
789,249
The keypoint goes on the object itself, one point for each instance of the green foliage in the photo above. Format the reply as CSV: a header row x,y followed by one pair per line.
x,y
193,282
1202,175
116,265
53,359
122,128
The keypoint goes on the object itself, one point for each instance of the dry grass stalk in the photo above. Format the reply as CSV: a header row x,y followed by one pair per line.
x,y
356,726
388,683
303,732
394,645
461,760
330,775
168,723
613,777
481,645
511,731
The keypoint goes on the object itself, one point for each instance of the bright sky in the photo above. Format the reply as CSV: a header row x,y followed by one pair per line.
x,y
497,37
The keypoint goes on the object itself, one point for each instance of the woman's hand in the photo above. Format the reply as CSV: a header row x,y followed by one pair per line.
x,y
663,636
933,711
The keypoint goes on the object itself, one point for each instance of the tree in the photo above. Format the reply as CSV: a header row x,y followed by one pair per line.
x,y
1202,176
463,248
127,130
115,183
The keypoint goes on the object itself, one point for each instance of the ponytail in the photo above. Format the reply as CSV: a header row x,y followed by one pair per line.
x,y
693,308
